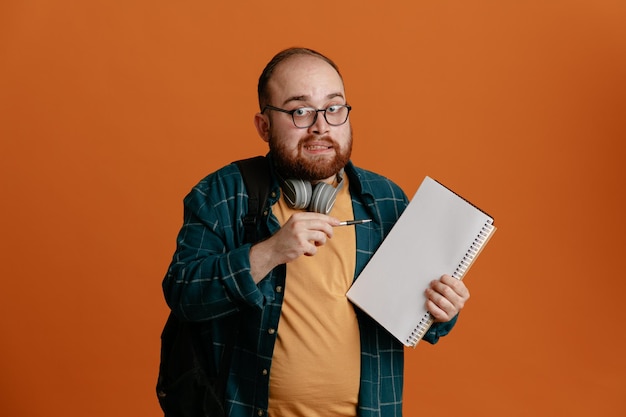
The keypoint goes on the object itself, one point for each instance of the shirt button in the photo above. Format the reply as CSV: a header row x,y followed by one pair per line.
x,y
279,288
264,372
271,331
273,193
259,412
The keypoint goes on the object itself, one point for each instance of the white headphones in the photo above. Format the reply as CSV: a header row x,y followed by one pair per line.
x,y
319,198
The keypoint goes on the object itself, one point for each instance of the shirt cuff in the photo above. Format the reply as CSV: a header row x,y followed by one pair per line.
x,y
438,330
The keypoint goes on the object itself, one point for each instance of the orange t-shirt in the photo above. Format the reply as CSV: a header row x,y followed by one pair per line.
x,y
316,364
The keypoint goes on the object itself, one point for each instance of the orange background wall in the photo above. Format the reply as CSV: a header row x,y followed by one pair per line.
x,y
110,111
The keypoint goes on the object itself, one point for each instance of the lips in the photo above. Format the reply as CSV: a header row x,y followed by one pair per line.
x,y
318,144
317,147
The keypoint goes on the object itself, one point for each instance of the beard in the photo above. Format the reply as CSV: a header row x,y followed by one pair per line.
x,y
312,168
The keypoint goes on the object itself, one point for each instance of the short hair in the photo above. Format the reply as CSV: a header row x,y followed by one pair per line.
x,y
280,57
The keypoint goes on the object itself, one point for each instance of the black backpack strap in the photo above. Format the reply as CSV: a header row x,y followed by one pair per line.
x,y
256,176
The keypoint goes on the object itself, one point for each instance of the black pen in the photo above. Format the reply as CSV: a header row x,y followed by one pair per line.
x,y
351,222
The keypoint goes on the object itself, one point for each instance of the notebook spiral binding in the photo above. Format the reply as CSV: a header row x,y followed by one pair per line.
x,y
420,330
473,251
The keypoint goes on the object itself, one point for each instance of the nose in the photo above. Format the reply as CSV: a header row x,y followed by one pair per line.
x,y
320,126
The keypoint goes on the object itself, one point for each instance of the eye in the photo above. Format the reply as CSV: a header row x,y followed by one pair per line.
x,y
302,112
334,109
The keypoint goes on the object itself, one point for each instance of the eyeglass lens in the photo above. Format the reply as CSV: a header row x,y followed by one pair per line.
x,y
334,115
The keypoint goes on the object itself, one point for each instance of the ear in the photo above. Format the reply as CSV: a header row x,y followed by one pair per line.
x,y
262,124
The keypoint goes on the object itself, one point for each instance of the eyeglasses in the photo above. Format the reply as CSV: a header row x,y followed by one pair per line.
x,y
304,117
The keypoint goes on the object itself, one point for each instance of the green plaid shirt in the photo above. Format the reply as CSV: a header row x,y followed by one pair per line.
x,y
209,281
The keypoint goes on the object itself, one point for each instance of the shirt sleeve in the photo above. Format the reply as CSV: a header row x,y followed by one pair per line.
x,y
438,330
209,275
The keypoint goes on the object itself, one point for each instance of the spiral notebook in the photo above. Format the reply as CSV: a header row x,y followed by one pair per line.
x,y
438,233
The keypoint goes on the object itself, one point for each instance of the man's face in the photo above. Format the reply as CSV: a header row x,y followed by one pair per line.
x,y
316,153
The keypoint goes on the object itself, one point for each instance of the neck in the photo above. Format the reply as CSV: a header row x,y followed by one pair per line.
x,y
334,180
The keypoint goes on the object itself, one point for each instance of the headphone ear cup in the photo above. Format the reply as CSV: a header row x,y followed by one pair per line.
x,y
323,198
297,193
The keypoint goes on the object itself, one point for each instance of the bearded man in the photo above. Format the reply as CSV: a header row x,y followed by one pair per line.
x,y
301,348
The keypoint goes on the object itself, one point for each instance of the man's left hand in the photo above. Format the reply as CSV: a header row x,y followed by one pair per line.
x,y
446,297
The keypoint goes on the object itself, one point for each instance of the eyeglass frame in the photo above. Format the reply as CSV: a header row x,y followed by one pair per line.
x,y
291,113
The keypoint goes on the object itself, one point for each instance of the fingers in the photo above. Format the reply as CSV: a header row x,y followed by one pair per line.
x,y
303,234
314,240
311,226
446,297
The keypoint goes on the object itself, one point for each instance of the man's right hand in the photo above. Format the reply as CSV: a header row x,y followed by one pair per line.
x,y
301,235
